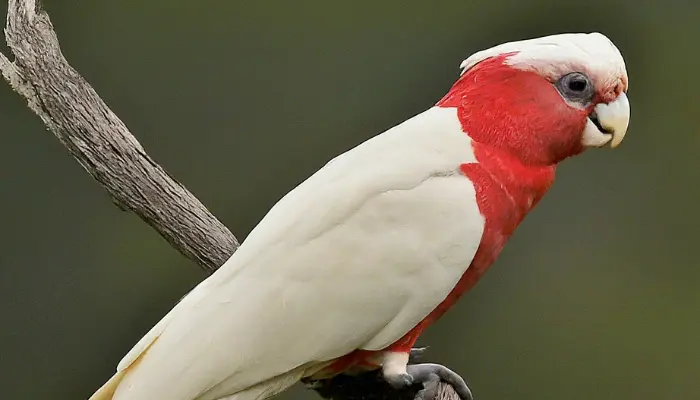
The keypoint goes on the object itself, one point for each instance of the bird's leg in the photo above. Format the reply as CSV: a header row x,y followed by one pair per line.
x,y
394,369
399,374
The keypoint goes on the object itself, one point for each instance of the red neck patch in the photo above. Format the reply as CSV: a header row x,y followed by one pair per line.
x,y
520,128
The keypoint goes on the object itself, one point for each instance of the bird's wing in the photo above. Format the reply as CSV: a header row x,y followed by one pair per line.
x,y
354,257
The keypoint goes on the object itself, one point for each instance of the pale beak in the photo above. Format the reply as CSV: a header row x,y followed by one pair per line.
x,y
608,123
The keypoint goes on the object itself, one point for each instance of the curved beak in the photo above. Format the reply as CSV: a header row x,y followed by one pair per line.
x,y
612,119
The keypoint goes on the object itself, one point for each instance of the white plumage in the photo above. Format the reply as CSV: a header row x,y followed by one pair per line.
x,y
354,257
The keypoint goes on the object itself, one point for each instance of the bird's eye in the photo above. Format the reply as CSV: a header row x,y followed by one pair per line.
x,y
576,87
577,84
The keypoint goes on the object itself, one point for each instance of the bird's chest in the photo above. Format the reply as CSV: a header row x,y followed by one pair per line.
x,y
504,198
503,202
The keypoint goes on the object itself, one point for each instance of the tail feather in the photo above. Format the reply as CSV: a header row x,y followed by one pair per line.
x,y
106,392
260,391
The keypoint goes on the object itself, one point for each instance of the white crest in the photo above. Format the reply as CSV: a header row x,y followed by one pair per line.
x,y
555,55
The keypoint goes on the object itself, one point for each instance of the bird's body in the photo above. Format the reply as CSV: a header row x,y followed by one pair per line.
x,y
347,269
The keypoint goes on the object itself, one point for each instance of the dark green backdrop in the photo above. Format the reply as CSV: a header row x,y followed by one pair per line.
x,y
595,297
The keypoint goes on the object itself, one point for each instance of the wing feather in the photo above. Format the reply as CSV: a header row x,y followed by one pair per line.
x,y
354,257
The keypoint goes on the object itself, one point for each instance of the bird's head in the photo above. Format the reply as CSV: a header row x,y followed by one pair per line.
x,y
545,99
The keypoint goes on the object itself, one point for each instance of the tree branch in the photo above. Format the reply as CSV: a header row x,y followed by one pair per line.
x,y
72,110
102,144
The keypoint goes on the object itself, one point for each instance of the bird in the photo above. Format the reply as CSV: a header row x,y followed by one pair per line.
x,y
346,270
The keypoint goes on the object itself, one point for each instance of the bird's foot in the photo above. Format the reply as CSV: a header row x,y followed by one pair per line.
x,y
399,375
430,375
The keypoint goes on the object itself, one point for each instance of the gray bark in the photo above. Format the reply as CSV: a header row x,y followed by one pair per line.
x,y
72,110
102,143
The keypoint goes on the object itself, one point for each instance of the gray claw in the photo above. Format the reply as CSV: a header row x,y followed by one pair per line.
x,y
431,374
416,354
430,388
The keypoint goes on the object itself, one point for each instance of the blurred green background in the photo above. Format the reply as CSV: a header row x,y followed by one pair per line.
x,y
595,297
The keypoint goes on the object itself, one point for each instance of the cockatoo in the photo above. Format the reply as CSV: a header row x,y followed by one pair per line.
x,y
346,270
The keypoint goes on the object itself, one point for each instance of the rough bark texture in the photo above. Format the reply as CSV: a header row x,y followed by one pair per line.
x,y
102,144
100,141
